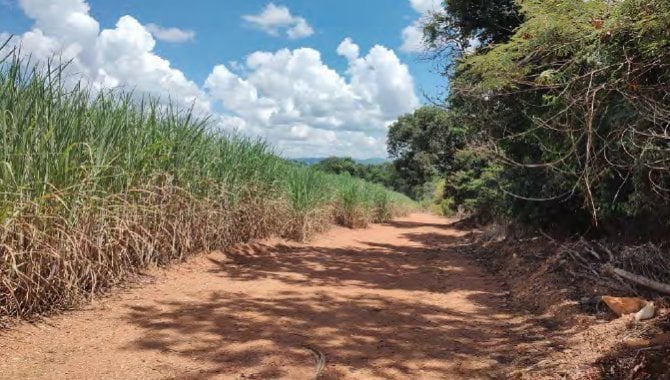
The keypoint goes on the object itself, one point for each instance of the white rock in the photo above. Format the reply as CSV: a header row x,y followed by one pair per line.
x,y
646,312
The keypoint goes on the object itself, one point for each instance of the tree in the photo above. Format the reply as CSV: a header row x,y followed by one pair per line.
x,y
574,99
383,174
340,165
423,145
466,24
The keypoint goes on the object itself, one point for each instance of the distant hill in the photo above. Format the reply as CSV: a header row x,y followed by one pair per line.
x,y
373,161
316,160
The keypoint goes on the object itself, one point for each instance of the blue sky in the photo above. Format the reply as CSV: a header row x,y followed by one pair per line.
x,y
305,95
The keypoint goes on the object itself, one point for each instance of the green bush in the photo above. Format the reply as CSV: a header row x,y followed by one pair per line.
x,y
572,97
474,185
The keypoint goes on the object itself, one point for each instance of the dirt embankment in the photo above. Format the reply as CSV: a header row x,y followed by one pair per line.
x,y
592,342
404,300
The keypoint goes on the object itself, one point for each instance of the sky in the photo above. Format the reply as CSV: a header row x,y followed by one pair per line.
x,y
313,79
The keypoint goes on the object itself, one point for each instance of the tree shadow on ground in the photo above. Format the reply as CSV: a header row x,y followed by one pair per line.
x,y
406,224
375,309
627,360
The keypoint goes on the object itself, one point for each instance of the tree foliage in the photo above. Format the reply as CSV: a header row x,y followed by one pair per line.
x,y
570,99
423,145
383,174
469,23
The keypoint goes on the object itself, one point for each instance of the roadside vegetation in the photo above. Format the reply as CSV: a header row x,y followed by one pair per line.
x,y
96,186
557,114
384,173
554,135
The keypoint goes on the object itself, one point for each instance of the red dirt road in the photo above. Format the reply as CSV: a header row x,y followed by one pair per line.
x,y
394,301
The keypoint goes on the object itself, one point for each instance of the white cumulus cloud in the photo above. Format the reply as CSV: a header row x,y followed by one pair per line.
x,y
174,35
290,97
274,19
122,56
412,38
348,49
301,103
425,6
412,35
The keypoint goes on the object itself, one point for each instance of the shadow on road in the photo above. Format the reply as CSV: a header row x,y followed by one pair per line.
x,y
410,306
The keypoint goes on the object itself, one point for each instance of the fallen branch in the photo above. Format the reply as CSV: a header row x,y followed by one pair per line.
x,y
639,280
607,250
319,359
590,250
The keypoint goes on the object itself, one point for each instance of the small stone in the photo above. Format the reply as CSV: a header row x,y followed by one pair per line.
x,y
647,312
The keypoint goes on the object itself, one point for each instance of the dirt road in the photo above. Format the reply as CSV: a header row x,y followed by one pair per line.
x,y
394,301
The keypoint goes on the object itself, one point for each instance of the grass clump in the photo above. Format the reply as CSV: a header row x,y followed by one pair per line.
x,y
310,197
96,186
358,203
352,208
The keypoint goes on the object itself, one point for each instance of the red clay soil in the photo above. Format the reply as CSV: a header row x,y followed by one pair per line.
x,y
394,301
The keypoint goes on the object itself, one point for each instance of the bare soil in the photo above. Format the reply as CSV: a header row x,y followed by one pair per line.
x,y
393,301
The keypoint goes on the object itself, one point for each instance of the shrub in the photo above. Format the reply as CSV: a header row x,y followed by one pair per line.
x,y
474,186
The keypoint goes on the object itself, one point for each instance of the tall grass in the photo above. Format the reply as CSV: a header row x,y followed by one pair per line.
x,y
97,186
